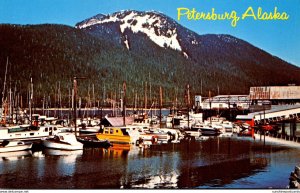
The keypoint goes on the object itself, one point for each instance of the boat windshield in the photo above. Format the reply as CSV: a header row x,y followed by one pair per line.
x,y
16,129
124,131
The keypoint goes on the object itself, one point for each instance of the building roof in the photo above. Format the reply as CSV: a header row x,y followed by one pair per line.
x,y
274,109
117,121
228,98
277,108
245,117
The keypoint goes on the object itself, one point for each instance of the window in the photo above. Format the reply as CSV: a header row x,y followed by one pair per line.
x,y
124,131
111,131
106,131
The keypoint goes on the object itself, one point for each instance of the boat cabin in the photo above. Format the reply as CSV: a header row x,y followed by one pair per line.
x,y
114,134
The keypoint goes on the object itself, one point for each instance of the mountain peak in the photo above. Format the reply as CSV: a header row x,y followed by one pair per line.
x,y
161,29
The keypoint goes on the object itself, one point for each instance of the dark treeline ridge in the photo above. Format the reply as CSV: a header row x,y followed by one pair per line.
x,y
53,54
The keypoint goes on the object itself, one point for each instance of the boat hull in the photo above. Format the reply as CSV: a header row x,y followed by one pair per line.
x,y
15,147
114,138
54,145
88,142
210,132
89,130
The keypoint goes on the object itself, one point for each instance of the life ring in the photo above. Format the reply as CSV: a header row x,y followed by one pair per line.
x,y
154,139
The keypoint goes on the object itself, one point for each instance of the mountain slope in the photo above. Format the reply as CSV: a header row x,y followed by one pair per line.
x,y
215,53
145,49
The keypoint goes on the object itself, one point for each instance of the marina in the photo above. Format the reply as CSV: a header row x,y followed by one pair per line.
x,y
154,150
214,163
240,144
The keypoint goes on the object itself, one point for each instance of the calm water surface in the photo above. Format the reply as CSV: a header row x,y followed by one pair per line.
x,y
214,163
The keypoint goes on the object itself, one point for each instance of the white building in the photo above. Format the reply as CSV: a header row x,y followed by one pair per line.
x,y
223,102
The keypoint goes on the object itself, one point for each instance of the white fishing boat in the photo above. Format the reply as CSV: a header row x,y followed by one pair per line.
x,y
207,130
64,141
194,132
27,132
11,146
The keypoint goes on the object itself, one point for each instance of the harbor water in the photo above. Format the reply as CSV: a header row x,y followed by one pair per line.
x,y
225,163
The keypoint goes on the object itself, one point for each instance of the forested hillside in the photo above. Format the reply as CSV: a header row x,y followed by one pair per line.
x,y
53,54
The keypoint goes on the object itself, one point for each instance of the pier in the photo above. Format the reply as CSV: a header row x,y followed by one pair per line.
x,y
282,122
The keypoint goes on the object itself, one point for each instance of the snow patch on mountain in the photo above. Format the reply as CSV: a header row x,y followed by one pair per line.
x,y
153,25
126,43
185,55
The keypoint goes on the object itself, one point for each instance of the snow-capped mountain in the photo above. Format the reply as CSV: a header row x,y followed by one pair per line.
x,y
161,29
126,27
153,35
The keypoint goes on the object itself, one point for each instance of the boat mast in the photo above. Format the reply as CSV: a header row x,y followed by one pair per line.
x,y
74,100
94,100
59,100
10,103
160,105
145,96
124,102
209,97
30,99
3,93
188,104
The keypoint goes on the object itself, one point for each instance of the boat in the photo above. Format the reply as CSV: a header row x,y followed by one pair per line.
x,y
207,130
114,135
193,132
94,142
214,120
27,132
156,136
11,146
88,129
64,141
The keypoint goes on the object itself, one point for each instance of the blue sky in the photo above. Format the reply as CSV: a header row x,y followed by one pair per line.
x,y
280,38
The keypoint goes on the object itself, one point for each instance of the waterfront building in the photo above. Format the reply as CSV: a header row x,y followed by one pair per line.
x,y
226,102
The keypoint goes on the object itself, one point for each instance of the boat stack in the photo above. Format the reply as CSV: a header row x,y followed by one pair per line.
x,y
295,178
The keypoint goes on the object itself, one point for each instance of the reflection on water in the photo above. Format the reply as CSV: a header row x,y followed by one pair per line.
x,y
214,163
15,155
